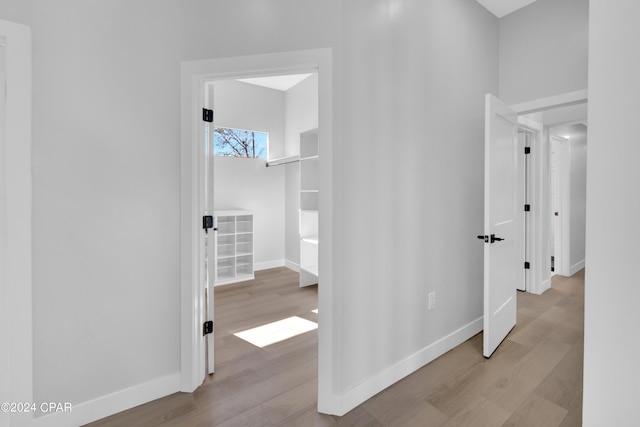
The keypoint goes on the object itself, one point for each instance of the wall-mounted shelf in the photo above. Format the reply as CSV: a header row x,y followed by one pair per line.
x,y
309,198
233,246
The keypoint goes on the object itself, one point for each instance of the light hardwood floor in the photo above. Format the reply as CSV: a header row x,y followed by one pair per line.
x,y
533,379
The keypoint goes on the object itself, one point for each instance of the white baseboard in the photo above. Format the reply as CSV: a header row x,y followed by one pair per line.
x,y
341,404
292,265
268,264
576,267
113,403
544,286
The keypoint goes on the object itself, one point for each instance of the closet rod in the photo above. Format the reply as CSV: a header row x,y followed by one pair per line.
x,y
282,161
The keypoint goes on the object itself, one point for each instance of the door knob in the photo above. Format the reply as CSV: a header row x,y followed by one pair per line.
x,y
485,238
496,239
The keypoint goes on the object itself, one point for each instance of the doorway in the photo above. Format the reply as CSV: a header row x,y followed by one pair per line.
x,y
259,125
539,117
195,75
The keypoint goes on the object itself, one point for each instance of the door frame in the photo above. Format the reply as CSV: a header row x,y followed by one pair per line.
x,y
17,276
194,76
536,281
538,244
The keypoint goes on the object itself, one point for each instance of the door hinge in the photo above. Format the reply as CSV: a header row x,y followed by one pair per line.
x,y
527,266
527,208
527,150
207,327
207,115
207,223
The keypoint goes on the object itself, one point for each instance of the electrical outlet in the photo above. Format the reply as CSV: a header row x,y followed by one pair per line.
x,y
432,300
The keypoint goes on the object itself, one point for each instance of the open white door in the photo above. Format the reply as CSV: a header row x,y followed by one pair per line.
x,y
209,234
500,222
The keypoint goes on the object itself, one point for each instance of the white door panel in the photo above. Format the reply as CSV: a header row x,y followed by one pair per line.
x,y
501,195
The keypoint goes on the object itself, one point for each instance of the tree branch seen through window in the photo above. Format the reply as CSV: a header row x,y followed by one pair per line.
x,y
240,143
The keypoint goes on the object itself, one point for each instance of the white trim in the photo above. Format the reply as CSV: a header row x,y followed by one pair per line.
x,y
360,393
537,244
292,265
194,75
576,267
265,265
562,100
233,281
112,403
18,215
192,300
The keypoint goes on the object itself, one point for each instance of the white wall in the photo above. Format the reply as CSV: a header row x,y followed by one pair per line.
x,y
572,176
247,106
275,26
105,196
301,114
543,50
576,192
247,183
613,230
409,85
415,76
578,199
4,321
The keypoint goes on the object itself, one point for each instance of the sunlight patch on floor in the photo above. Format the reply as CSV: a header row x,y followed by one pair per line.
x,y
281,330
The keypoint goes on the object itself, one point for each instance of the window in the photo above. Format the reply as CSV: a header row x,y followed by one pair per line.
x,y
230,142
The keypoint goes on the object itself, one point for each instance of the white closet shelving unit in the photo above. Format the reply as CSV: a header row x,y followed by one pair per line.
x,y
309,207
233,246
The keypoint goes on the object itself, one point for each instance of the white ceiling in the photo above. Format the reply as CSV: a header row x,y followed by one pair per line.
x,y
283,83
501,8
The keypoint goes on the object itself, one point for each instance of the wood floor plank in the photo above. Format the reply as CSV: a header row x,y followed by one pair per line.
x,y
255,417
308,417
464,388
291,402
517,383
358,417
563,385
479,413
423,415
536,412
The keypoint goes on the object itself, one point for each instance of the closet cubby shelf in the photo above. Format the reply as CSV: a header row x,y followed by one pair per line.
x,y
233,246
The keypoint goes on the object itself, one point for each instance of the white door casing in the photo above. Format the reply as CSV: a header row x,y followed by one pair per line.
x,y
500,222
194,76
522,200
209,236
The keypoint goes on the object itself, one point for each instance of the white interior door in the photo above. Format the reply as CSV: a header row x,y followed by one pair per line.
x,y
209,236
501,266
